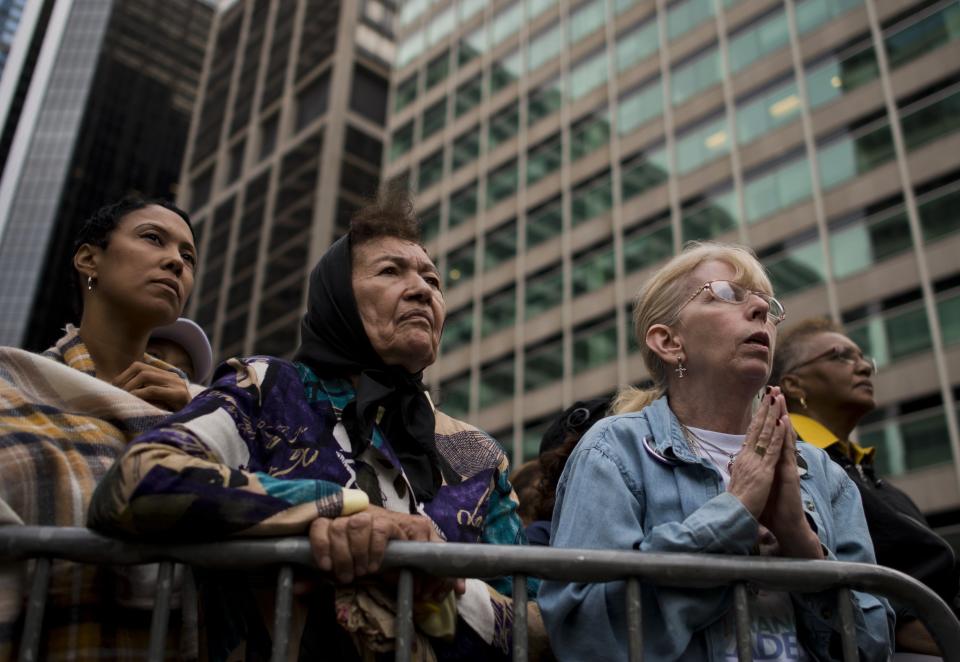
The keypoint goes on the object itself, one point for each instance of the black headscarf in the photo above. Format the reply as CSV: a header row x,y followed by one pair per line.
x,y
334,344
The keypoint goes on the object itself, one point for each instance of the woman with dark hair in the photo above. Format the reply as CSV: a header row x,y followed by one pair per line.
x,y
70,412
826,380
343,444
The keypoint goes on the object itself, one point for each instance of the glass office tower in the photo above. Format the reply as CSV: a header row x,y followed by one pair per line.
x,y
561,151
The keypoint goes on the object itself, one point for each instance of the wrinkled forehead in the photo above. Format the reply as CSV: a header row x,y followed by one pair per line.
x,y
392,249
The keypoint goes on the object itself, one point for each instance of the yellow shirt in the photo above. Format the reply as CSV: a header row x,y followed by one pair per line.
x,y
816,433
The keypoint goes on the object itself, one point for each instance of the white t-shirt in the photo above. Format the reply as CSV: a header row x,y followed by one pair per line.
x,y
773,622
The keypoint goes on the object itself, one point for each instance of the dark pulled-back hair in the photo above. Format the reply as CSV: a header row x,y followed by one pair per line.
x,y
96,230
390,214
790,344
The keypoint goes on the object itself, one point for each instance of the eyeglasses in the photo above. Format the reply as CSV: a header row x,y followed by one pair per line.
x,y
730,292
849,355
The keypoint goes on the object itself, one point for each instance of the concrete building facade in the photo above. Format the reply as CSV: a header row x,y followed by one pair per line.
x,y
562,150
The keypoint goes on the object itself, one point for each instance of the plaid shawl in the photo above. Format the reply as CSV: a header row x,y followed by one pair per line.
x,y
61,429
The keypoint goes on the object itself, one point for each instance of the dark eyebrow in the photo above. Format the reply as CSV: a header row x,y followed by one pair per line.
x,y
151,225
401,261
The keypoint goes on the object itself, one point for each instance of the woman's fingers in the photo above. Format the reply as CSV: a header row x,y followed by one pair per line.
x,y
756,423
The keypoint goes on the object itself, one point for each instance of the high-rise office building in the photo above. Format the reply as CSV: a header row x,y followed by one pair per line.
x,y
562,150
99,105
10,13
286,142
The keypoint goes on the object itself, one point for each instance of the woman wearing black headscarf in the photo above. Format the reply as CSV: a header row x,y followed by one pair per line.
x,y
344,443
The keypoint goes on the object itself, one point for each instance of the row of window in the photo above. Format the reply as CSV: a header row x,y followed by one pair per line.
x,y
858,241
889,330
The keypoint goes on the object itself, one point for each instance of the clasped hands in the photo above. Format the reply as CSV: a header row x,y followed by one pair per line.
x,y
353,546
764,477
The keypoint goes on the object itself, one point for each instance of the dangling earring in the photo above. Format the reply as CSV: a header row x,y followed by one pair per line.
x,y
89,283
803,402
680,370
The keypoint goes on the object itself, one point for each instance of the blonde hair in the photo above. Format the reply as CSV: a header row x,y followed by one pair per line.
x,y
660,298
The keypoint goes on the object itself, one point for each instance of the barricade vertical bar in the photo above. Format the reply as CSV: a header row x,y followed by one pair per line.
x,y
742,613
634,621
519,618
161,613
848,629
404,616
281,614
190,617
37,602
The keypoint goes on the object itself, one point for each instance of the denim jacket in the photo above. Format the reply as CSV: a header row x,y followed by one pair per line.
x,y
634,483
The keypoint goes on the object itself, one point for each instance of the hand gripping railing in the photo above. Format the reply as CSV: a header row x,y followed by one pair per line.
x,y
460,560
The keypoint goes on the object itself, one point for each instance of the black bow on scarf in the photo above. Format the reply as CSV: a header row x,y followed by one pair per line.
x,y
335,344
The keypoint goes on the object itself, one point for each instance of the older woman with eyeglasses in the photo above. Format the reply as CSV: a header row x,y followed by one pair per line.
x,y
826,380
690,465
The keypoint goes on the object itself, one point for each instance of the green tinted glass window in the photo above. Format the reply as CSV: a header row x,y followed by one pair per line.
x,y
543,364
685,15
595,345
402,141
499,310
637,43
505,71
438,69
647,243
455,396
796,268
461,264
585,19
463,205
466,148
837,75
502,183
709,215
496,382
644,171
857,246
918,440
503,126
948,310
894,334
764,112
544,46
938,212
472,46
931,119
694,76
811,14
764,37
405,93
434,118
431,170
430,223
411,47
589,134
639,106
698,145
500,245
537,7
506,23
591,198
467,9
620,6
852,155
458,328
544,159
776,187
544,101
544,222
593,269
588,73
912,38
468,95
544,290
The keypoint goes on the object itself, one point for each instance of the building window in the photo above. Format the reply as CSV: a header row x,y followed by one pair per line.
x,y
912,37
595,343
593,268
795,264
774,186
496,381
685,15
434,118
431,170
932,117
461,264
890,329
544,46
499,310
468,96
544,222
643,171
430,223
543,363
647,243
590,134
471,46
694,75
544,290
438,69
639,105
637,43
505,71
463,205
544,159
908,435
937,204
811,14
588,73
268,135
500,245
859,149
841,73
758,39
458,328
502,183
312,101
455,395
764,111
405,93
591,198
544,101
700,144
707,215
466,148
506,22
867,236
586,18
503,126
368,95
402,141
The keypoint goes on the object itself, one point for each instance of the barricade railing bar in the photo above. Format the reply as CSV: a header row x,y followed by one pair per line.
x,y
20,543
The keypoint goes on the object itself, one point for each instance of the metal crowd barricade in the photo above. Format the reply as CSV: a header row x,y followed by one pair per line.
x,y
18,543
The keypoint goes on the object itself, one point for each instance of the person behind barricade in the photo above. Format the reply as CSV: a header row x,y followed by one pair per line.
x,y
690,466
556,445
70,412
826,381
344,444
183,345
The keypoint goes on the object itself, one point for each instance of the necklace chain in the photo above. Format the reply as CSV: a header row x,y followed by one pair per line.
x,y
697,443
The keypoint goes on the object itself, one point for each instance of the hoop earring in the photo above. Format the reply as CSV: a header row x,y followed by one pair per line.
x,y
680,370
89,283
